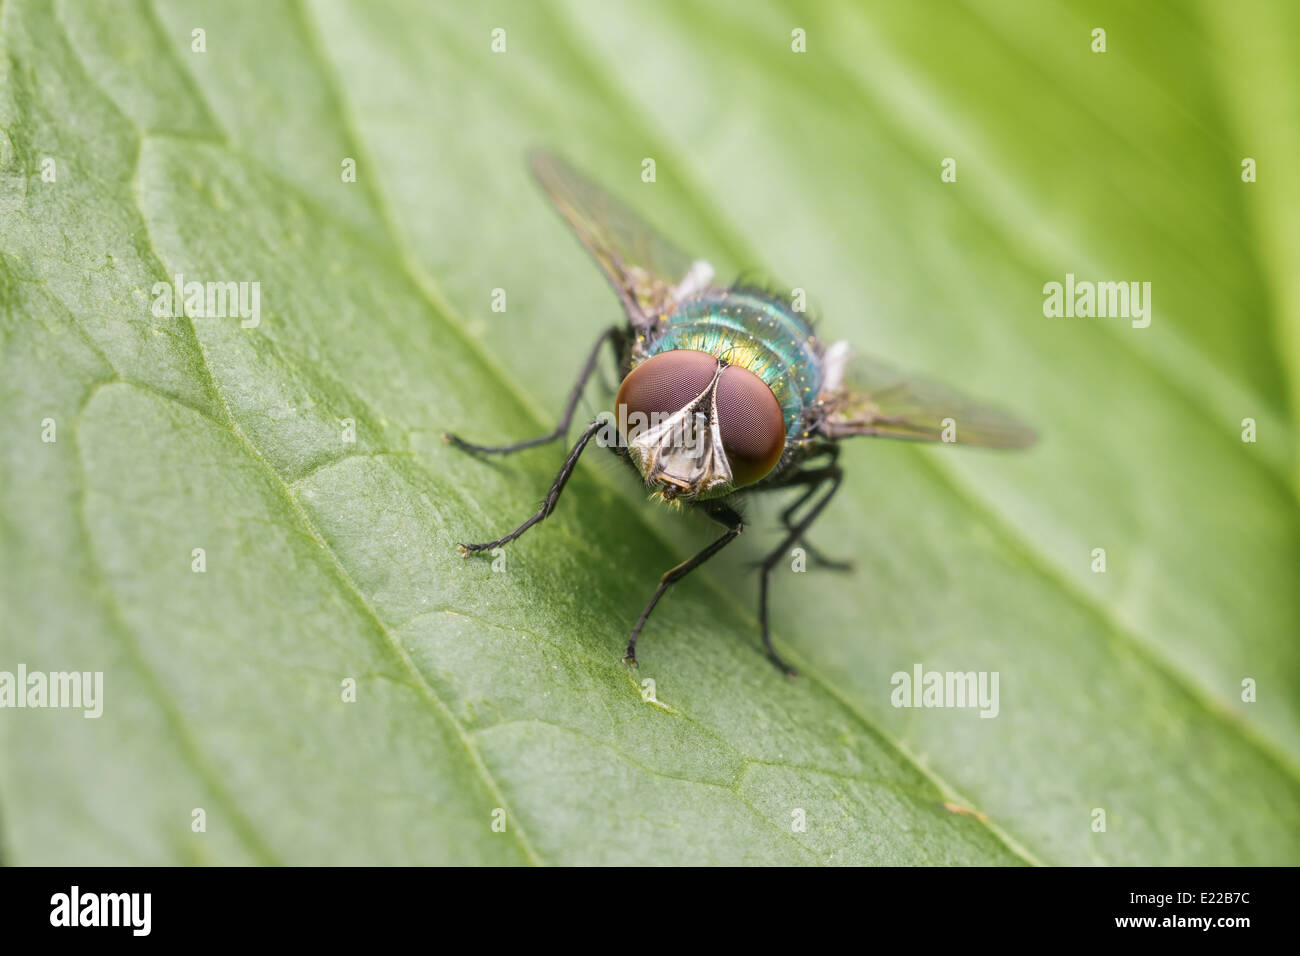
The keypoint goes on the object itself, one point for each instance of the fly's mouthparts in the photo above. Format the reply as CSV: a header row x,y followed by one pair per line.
x,y
672,486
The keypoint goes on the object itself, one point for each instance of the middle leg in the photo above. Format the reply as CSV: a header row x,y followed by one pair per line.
x,y
816,479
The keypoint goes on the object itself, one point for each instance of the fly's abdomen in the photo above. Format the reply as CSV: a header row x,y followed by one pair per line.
x,y
758,333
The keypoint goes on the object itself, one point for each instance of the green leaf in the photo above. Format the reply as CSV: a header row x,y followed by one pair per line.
x,y
477,691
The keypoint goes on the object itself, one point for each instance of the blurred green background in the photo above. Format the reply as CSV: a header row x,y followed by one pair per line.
x,y
479,691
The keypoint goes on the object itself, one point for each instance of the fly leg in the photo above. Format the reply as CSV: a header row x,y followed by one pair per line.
x,y
611,335
812,478
552,496
816,478
723,515
787,519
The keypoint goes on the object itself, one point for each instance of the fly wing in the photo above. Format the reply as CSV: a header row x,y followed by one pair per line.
x,y
649,273
867,397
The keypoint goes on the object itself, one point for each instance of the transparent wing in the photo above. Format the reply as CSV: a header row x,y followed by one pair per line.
x,y
868,397
649,273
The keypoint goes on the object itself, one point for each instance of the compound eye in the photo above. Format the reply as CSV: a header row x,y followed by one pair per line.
x,y
751,423
661,386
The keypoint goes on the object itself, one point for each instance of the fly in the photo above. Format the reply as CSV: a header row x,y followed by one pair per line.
x,y
727,389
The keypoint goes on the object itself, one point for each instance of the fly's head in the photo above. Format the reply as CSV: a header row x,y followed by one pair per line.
x,y
697,427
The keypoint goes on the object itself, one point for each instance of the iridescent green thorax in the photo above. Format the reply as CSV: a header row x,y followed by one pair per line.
x,y
750,329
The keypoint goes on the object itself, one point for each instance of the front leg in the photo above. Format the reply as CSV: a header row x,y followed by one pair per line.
x,y
723,515
553,496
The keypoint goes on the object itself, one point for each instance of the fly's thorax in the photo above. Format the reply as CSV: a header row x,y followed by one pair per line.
x,y
697,426
756,331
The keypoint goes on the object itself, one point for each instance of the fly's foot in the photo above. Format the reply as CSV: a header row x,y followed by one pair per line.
x,y
468,446
822,561
782,666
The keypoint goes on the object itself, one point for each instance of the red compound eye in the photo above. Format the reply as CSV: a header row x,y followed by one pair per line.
x,y
752,426
661,385
749,417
